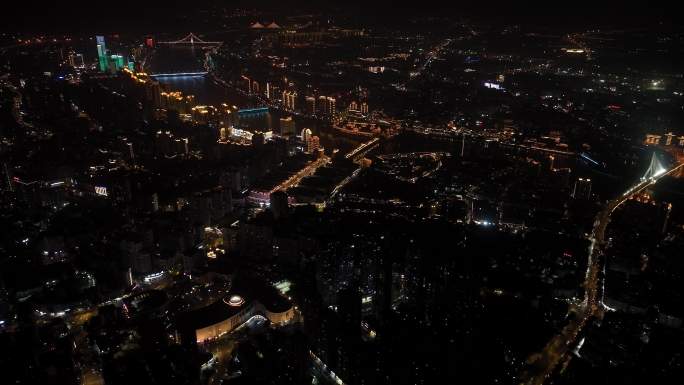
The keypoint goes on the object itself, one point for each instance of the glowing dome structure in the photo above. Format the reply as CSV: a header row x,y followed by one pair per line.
x,y
234,300
249,298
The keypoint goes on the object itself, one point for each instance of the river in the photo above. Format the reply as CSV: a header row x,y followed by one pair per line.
x,y
176,59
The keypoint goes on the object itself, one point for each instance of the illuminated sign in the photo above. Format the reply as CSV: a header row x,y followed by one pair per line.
x,y
493,85
100,190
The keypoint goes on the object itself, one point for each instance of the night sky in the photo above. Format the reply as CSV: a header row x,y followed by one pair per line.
x,y
88,16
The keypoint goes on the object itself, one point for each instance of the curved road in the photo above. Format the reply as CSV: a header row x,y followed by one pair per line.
x,y
543,364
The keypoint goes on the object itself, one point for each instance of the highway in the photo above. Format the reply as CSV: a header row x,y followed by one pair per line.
x,y
430,56
543,364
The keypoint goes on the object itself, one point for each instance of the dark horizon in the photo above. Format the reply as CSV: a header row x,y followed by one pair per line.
x,y
90,17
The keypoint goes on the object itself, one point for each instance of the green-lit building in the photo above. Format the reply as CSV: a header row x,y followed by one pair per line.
x,y
109,63
118,63
102,53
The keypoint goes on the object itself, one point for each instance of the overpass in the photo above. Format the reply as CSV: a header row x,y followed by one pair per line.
x,y
543,364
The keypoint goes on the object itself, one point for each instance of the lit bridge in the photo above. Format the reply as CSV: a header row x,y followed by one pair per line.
x,y
363,149
253,111
179,74
543,364
191,39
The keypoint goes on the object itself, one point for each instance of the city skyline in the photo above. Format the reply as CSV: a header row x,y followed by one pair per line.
x,y
343,193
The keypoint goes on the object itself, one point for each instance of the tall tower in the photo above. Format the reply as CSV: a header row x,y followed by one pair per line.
x,y
102,53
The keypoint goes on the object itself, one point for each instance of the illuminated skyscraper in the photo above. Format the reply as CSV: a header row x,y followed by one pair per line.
x,y
289,100
101,53
118,63
327,105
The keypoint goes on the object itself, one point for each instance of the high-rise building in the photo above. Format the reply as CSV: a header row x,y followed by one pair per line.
x,y
582,189
327,105
254,87
289,100
306,134
102,53
155,202
246,84
287,126
272,91
364,108
117,63
131,153
76,60
102,58
668,138
186,146
313,144
310,105
100,40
